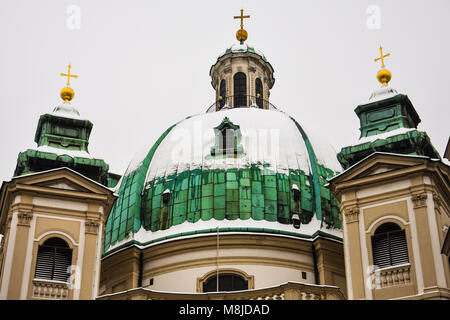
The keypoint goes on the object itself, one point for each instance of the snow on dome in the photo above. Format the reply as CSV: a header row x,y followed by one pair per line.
x,y
382,93
268,137
244,47
66,110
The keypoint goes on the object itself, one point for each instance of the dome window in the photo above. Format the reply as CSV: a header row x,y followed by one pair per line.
x,y
228,139
240,90
259,93
222,93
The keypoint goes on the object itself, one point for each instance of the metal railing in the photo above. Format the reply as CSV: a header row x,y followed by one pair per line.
x,y
240,101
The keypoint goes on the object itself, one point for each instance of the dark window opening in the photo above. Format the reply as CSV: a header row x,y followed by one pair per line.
x,y
151,282
227,282
165,198
227,139
389,246
164,210
222,93
53,260
303,275
240,90
259,92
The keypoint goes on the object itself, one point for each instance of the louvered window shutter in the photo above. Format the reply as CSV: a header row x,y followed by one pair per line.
x,y
389,246
53,260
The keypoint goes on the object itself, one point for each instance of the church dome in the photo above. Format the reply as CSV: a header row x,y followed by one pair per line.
x,y
239,169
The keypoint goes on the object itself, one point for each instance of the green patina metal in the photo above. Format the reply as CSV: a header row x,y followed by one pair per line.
x,y
381,117
64,134
314,169
204,194
125,216
387,115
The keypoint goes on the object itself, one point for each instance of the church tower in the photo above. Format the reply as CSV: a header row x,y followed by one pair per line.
x,y
53,212
395,203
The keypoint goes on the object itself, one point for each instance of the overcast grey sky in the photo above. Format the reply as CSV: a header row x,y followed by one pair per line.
x,y
144,65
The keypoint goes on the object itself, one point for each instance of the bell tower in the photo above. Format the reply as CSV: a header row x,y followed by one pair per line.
x,y
242,76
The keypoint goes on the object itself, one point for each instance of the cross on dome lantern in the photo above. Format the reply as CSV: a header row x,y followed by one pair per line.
x,y
67,93
242,34
384,75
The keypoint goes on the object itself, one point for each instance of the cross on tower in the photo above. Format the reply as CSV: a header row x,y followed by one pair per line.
x,y
68,75
382,57
242,17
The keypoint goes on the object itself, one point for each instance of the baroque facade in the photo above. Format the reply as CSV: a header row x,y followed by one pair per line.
x,y
258,208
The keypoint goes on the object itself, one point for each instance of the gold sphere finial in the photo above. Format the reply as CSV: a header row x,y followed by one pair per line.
x,y
384,76
242,34
67,94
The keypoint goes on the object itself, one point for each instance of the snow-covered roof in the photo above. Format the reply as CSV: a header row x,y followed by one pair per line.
x,y
384,135
244,47
382,93
66,110
60,152
268,137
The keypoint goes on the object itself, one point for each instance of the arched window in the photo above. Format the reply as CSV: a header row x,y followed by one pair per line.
x,y
53,260
222,93
259,93
227,282
240,90
389,246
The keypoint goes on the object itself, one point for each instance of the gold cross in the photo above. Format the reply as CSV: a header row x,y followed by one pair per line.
x,y
242,17
68,75
382,57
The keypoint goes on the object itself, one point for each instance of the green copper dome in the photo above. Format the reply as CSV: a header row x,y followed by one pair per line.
x,y
266,174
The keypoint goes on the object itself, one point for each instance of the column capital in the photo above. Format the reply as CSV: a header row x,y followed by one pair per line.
x,y
24,218
351,214
91,226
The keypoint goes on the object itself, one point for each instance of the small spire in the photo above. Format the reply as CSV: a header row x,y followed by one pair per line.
x,y
384,75
242,34
67,93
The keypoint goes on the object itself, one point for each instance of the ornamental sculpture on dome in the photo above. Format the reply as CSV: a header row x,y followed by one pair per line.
x,y
67,92
384,75
242,34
